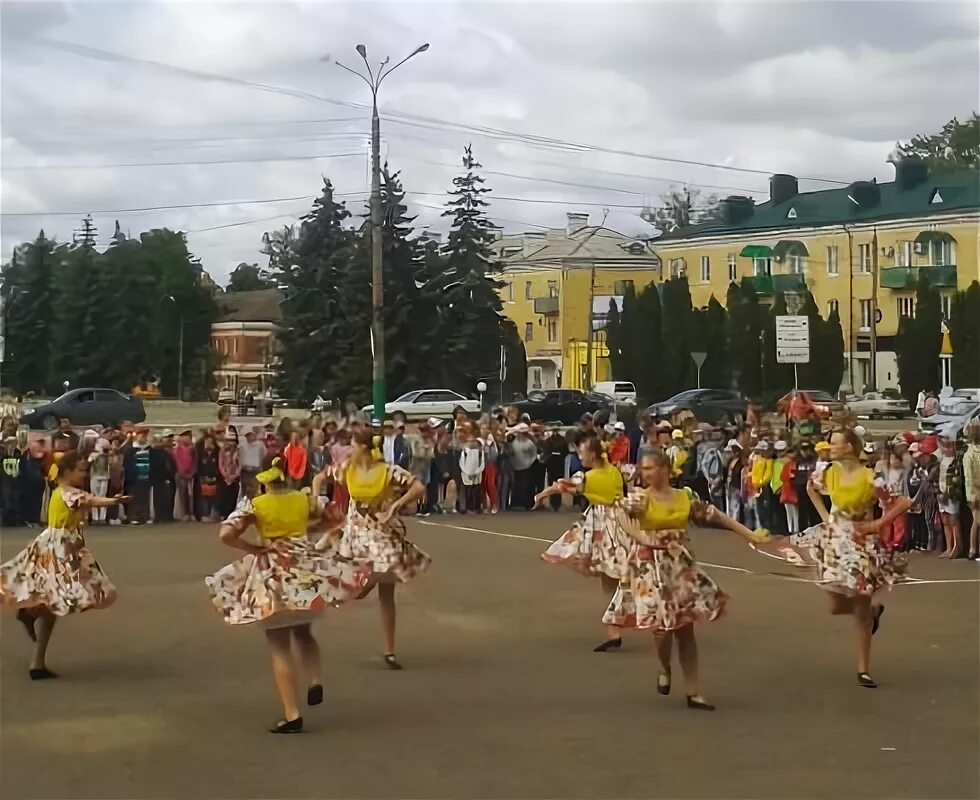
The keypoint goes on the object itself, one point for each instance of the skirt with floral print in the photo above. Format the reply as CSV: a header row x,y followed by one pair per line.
x,y
596,544
393,557
285,586
56,573
665,589
849,566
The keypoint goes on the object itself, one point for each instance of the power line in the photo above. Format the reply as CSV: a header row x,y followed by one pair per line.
x,y
21,167
154,208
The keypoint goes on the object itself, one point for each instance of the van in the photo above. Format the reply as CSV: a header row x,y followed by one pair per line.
x,y
620,391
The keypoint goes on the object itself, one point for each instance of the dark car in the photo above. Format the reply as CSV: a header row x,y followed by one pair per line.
x,y
714,406
86,407
562,405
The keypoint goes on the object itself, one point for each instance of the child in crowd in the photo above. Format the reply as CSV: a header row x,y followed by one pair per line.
x,y
892,480
98,473
471,465
185,457
789,496
296,457
206,494
777,514
10,484
761,479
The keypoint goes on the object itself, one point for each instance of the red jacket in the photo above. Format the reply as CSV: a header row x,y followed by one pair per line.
x,y
619,450
788,494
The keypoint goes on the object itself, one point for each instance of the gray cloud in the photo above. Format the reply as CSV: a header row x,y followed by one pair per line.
x,y
814,88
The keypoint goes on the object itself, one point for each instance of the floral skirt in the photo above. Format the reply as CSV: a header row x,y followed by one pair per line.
x,y
393,557
849,566
664,590
596,544
285,586
56,573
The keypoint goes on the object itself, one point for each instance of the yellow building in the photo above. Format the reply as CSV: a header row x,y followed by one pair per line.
x,y
553,279
859,249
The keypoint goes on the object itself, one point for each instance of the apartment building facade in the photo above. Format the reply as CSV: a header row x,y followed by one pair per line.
x,y
859,249
558,282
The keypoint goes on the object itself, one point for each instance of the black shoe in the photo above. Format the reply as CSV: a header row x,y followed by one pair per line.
x,y
42,674
876,622
663,683
288,726
866,681
609,644
699,705
25,618
314,695
392,662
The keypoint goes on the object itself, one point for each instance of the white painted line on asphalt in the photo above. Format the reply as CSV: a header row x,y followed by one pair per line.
x,y
792,578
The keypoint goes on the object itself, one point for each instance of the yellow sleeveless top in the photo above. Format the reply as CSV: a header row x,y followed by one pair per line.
x,y
603,485
62,515
855,497
660,516
367,486
281,514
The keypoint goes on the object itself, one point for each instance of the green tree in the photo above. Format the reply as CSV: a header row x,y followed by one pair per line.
x,y
308,268
515,382
27,294
615,342
470,325
644,332
955,146
745,326
832,354
709,335
681,207
777,378
676,322
247,278
919,342
964,335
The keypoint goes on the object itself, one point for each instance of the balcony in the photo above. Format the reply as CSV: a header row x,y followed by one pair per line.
x,y
773,284
940,277
546,305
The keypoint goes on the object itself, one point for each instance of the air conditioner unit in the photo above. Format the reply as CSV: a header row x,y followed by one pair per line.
x,y
920,248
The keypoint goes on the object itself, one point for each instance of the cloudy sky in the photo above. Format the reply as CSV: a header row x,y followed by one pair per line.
x,y
234,108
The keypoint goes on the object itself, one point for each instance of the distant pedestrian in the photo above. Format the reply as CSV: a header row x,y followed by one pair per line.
x,y
136,463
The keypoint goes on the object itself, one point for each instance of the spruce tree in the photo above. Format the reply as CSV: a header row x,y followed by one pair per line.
x,y
709,335
778,378
676,320
964,335
314,327
919,342
471,326
745,323
832,354
645,343
615,343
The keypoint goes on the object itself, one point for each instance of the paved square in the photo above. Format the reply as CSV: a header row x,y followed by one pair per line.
x,y
501,696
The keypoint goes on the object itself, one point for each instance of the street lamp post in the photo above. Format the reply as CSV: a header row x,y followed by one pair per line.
x,y
373,81
180,352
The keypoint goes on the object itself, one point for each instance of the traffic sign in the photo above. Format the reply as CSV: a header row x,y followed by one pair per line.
x,y
792,339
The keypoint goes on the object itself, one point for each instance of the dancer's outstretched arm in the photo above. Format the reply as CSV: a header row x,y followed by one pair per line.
x,y
720,519
560,486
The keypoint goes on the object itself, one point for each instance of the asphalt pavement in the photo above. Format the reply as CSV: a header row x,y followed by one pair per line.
x,y
502,696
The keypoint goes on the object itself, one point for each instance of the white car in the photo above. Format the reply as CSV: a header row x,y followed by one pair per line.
x,y
620,391
876,404
425,403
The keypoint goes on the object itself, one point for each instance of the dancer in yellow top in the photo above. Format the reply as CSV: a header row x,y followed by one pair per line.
x,y
665,590
56,574
374,531
282,583
594,545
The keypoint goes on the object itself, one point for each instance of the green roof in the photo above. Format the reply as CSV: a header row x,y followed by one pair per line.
x,y
959,190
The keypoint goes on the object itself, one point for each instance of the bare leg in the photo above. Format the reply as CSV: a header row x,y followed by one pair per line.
x,y
687,650
840,605
386,594
975,533
664,641
45,626
863,617
283,670
609,586
948,533
309,654
957,536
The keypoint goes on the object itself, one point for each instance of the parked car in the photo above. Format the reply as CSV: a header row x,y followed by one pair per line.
x,y
424,403
562,405
878,404
713,406
226,397
818,397
620,391
955,409
86,407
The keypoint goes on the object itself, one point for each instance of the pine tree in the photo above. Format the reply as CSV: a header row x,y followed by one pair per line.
x,y
643,332
745,324
709,335
471,327
614,341
676,321
831,354
515,381
27,294
919,342
314,327
964,335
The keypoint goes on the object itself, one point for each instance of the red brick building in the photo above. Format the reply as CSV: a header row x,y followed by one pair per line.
x,y
244,335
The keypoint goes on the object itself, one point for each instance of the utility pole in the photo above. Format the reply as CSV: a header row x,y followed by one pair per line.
x,y
874,310
180,362
851,339
373,81
591,333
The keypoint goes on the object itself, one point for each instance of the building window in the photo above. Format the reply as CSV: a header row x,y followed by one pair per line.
x,y
832,267
527,290
865,315
832,306
732,268
903,254
762,266
941,253
678,268
946,305
622,287
552,288
705,269
906,307
509,289
946,364
864,259
552,329
796,264
528,330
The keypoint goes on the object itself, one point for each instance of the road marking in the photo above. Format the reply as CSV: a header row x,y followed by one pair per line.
x,y
780,576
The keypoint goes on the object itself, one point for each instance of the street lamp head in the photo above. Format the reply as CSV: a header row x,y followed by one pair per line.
x,y
361,51
421,48
481,387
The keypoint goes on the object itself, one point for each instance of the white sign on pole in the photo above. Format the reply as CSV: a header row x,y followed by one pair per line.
x,y
792,340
